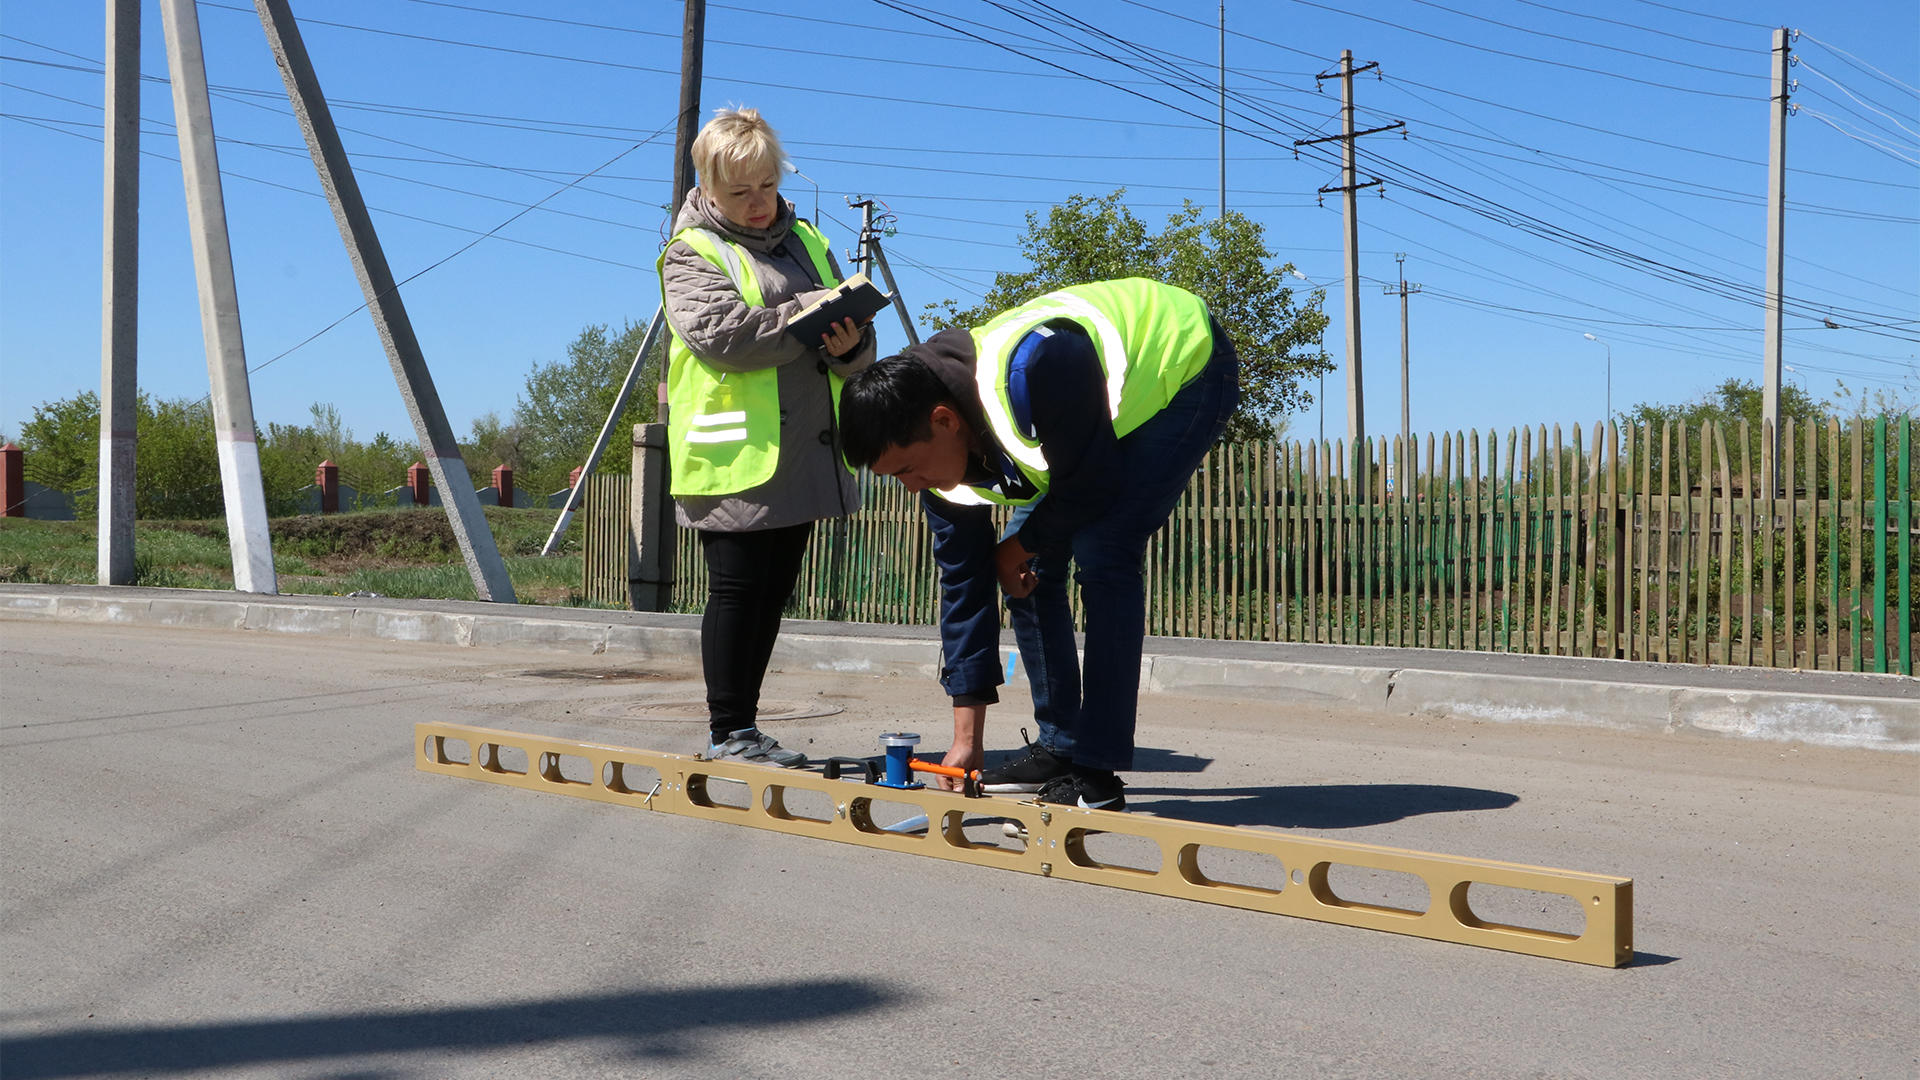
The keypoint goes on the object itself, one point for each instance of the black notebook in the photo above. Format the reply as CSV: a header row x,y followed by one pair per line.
x,y
855,298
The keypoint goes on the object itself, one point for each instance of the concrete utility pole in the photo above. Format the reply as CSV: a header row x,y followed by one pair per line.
x,y
869,256
655,541
1223,108
693,33
444,463
1776,241
1356,411
1406,392
120,295
240,483
652,563
1350,187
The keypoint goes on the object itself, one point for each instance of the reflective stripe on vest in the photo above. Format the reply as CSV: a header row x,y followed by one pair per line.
x,y
723,428
1151,338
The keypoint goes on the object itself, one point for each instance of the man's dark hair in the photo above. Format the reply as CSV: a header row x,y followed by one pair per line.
x,y
889,404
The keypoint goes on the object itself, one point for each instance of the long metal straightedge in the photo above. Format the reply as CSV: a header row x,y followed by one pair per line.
x,y
1294,876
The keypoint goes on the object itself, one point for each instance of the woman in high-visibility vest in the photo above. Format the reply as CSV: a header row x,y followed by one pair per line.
x,y
752,439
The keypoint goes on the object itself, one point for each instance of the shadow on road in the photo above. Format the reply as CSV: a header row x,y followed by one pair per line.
x,y
1325,806
653,1024
1145,759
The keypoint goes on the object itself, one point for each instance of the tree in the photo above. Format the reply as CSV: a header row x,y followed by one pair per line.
x,y
1901,400
493,441
1225,261
290,453
62,444
565,403
1728,405
176,471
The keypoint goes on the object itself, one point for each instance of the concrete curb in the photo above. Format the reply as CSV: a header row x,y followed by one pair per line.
x,y
1869,712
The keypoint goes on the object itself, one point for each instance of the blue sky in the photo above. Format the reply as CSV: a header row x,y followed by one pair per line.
x,y
1567,168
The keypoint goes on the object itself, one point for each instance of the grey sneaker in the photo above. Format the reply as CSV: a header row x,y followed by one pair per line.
x,y
750,747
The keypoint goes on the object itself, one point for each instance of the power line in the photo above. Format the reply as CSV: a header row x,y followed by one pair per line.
x,y
1587,43
892,99
1523,56
1705,15
1493,136
1856,99
1677,187
1605,131
1859,63
1864,140
1451,194
1638,27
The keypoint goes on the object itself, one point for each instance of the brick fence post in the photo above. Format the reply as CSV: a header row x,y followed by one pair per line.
x,y
13,481
327,479
503,483
418,482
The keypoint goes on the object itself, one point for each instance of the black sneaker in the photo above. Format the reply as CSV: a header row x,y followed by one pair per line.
x,y
1027,772
1087,790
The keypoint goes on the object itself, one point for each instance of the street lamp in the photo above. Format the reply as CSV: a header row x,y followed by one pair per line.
x,y
790,167
1609,349
1320,401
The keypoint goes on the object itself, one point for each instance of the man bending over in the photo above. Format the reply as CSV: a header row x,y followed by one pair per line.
x,y
1087,410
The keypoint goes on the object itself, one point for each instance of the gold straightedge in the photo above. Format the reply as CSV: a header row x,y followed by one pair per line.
x,y
1297,876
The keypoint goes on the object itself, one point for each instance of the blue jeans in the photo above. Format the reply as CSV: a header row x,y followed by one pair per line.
x,y
1091,725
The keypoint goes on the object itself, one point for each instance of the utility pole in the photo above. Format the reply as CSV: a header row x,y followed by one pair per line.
x,y
1350,187
1776,241
870,256
656,551
1406,393
1223,108
120,295
693,32
485,567
240,480
654,539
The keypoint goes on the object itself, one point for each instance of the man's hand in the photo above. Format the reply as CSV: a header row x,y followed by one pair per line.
x,y
969,733
1011,560
960,757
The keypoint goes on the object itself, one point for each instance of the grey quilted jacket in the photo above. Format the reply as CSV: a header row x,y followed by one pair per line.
x,y
705,309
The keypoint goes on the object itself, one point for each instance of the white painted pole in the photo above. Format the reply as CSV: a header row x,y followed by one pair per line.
x,y
120,294
240,481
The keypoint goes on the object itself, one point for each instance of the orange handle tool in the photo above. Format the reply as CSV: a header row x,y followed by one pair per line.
x,y
943,770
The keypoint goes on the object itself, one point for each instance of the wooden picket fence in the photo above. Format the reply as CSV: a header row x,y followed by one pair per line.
x,y
1683,544
606,540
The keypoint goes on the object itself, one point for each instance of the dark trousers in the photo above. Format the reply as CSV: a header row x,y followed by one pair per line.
x,y
750,575
1087,717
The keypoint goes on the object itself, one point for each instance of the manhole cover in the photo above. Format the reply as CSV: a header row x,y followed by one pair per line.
x,y
696,711
607,675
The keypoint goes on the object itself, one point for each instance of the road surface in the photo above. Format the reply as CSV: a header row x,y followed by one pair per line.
x,y
221,862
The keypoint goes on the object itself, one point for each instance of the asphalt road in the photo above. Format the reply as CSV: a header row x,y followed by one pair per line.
x,y
220,861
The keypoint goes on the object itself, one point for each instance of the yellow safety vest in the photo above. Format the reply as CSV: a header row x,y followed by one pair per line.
x,y
1152,339
723,427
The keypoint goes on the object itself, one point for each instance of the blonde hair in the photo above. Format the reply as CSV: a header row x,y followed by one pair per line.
x,y
736,142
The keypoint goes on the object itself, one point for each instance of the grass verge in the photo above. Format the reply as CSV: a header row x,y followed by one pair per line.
x,y
406,554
